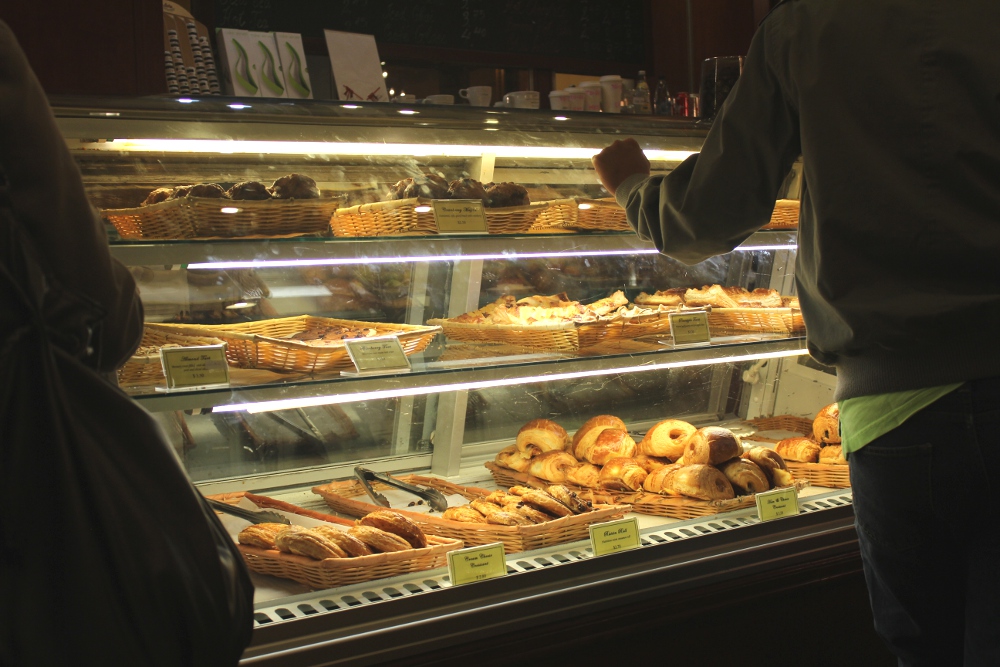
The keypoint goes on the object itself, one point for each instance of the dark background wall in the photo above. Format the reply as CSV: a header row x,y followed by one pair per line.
x,y
115,47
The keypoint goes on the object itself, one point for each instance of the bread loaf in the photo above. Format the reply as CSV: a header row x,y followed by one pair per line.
x,y
552,466
799,449
711,446
622,473
701,481
584,474
586,434
610,443
826,425
745,476
667,438
772,464
539,436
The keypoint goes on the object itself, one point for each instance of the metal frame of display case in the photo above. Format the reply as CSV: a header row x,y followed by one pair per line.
x,y
391,619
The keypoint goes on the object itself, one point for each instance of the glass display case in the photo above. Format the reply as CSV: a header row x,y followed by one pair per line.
x,y
281,431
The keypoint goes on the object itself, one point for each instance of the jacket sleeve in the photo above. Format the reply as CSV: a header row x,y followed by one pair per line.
x,y
46,196
714,200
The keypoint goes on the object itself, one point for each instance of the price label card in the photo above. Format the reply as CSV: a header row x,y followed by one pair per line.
x,y
382,354
690,328
460,216
195,366
476,564
777,504
614,536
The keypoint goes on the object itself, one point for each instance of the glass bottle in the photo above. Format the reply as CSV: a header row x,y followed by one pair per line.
x,y
640,97
662,104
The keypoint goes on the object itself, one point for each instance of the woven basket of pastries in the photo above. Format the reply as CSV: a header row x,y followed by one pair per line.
x,y
552,323
580,213
676,470
303,343
144,366
815,454
734,310
533,520
339,552
291,206
409,208
785,215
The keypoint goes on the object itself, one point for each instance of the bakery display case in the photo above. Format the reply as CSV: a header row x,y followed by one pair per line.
x,y
554,312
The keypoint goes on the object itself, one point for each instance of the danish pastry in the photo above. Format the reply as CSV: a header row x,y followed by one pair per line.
x,y
499,516
397,524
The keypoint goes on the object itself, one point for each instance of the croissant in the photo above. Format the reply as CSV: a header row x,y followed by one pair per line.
x,y
833,454
659,480
701,481
798,449
510,457
584,474
667,438
826,425
552,466
539,436
651,463
712,445
745,476
772,464
586,434
610,443
622,473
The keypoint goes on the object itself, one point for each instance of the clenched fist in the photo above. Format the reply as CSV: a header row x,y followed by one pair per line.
x,y
618,161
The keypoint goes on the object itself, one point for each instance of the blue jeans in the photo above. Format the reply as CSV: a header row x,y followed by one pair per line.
x,y
927,508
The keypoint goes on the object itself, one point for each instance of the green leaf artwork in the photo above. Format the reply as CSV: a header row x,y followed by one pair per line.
x,y
245,78
295,76
269,74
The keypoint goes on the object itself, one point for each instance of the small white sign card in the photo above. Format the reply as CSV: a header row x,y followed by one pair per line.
x,y
379,355
357,69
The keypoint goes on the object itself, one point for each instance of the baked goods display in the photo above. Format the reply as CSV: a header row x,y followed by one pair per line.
x,y
383,531
826,425
551,309
291,186
718,296
817,455
799,449
326,335
432,186
521,506
674,458
249,191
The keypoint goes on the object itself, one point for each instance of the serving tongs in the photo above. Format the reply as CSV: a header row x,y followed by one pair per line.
x,y
262,516
434,498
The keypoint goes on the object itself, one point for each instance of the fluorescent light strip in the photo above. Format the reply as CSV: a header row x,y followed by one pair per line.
x,y
339,399
276,263
364,149
750,248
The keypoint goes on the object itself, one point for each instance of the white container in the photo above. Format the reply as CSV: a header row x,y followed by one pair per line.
x,y
577,99
611,93
592,91
439,99
521,99
559,100
478,96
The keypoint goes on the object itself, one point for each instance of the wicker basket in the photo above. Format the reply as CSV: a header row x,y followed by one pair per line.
x,y
557,337
340,496
642,502
200,217
785,215
829,475
146,369
725,321
583,214
402,218
264,344
333,572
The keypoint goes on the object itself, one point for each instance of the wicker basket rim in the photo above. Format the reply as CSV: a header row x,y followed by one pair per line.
x,y
214,201
427,201
436,544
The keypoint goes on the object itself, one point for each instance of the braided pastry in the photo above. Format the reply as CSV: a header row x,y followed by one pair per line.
x,y
397,524
350,544
379,540
311,544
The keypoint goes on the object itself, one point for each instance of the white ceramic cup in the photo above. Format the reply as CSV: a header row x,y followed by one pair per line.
x,y
439,99
522,99
611,93
577,99
592,90
559,100
478,96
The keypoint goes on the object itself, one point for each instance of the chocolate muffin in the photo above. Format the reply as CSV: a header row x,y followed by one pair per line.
x,y
295,186
430,186
206,190
500,195
467,188
157,195
249,190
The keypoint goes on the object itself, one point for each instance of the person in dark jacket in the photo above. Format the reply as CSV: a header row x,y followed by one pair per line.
x,y
108,554
894,107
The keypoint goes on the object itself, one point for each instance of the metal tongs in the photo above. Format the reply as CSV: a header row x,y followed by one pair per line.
x,y
434,498
263,516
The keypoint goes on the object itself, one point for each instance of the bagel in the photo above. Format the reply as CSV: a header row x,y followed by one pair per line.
x,y
667,438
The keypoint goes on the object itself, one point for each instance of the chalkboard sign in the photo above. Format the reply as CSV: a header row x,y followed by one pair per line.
x,y
610,30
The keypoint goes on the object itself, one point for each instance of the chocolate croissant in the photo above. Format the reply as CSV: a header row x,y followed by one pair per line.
x,y
511,458
610,443
584,474
552,466
745,476
799,449
772,464
541,435
586,434
622,473
711,446
701,481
